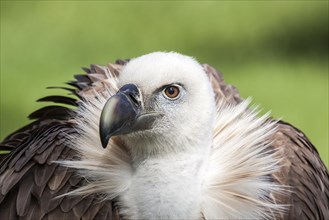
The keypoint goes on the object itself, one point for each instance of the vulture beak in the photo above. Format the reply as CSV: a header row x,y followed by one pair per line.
x,y
123,113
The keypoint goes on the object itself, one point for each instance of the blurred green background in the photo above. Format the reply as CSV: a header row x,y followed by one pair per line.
x,y
274,51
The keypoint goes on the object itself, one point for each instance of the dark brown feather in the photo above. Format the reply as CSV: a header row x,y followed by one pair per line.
x,y
59,175
53,112
304,172
25,187
59,99
77,85
82,78
24,195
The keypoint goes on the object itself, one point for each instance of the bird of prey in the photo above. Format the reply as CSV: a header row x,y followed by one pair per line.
x,y
159,137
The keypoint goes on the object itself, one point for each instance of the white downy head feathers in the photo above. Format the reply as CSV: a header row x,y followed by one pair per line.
x,y
188,120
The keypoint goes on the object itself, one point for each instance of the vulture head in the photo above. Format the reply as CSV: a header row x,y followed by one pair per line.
x,y
165,100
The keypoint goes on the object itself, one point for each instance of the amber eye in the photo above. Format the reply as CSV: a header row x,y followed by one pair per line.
x,y
172,92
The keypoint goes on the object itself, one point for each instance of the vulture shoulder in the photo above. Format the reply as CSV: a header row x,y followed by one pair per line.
x,y
31,183
302,170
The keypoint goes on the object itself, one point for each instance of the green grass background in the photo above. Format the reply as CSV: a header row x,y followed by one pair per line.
x,y
274,51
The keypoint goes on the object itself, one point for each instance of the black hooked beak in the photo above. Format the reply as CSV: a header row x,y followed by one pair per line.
x,y
123,113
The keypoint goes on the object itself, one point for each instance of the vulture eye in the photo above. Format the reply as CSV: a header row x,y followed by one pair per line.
x,y
171,92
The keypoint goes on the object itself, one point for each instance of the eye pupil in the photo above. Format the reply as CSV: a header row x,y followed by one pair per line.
x,y
172,92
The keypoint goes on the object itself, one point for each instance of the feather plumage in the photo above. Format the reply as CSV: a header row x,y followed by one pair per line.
x,y
295,162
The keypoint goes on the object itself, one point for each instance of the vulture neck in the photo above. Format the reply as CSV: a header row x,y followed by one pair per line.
x,y
166,184
168,147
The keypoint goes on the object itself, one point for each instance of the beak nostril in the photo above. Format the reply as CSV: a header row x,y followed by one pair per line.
x,y
133,98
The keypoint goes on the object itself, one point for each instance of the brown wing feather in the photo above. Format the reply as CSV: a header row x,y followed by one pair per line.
x,y
304,172
221,88
29,186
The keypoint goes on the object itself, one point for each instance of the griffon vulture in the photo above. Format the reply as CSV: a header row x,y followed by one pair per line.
x,y
159,137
